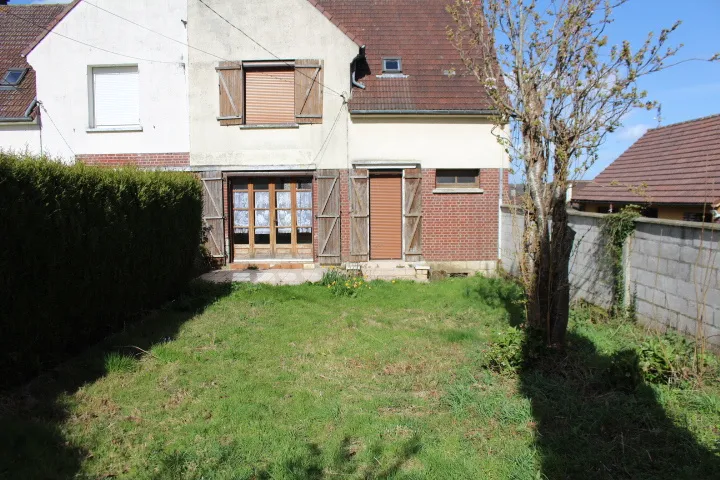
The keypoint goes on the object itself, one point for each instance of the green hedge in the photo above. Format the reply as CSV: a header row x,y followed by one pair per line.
x,y
82,250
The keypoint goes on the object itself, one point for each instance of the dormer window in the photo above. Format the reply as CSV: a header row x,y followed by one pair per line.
x,y
392,65
13,77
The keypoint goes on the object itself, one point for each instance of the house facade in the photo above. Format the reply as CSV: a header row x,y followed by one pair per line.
x,y
325,131
673,172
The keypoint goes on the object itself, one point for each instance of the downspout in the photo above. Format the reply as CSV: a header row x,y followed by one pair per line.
x,y
26,115
360,56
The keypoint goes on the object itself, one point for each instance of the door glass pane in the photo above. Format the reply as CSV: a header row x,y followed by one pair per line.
x,y
262,236
283,184
283,199
284,218
304,183
465,179
240,185
261,185
304,199
304,235
262,218
262,199
283,236
304,218
241,218
240,199
241,236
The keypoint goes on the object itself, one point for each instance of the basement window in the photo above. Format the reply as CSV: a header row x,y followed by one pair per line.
x,y
392,65
457,178
13,77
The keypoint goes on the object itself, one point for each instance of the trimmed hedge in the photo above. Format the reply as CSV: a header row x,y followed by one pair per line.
x,y
82,250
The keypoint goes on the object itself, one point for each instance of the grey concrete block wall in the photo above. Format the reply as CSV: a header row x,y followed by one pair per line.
x,y
672,269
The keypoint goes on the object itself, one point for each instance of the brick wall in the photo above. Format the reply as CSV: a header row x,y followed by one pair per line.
x,y
143,160
461,226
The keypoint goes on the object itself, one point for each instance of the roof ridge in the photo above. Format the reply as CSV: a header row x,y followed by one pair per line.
x,y
686,121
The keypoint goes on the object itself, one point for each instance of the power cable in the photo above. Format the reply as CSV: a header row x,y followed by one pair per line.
x,y
55,126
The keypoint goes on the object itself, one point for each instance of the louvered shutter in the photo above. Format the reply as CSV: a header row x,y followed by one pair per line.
x,y
308,91
359,216
231,93
116,96
269,96
412,215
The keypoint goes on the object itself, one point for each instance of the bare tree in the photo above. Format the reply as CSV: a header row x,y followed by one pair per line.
x,y
555,79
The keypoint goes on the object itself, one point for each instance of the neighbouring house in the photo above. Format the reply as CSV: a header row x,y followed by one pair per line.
x,y
325,131
673,172
116,92
19,112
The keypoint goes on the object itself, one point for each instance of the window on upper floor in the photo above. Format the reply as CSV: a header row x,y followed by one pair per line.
x,y
115,98
280,93
392,65
13,77
466,178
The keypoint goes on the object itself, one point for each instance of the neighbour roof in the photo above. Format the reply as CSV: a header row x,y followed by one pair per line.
x,y
433,76
15,35
678,164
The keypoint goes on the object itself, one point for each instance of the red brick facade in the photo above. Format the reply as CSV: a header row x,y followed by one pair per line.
x,y
456,226
143,160
461,226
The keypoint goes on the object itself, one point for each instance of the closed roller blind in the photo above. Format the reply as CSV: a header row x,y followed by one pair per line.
x,y
116,97
386,218
269,96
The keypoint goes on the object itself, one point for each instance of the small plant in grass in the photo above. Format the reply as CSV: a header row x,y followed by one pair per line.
x,y
118,363
671,359
511,348
343,285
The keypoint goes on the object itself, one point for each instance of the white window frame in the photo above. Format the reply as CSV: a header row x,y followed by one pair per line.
x,y
392,59
92,126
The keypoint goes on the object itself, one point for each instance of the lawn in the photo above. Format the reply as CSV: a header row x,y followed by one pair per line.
x,y
254,381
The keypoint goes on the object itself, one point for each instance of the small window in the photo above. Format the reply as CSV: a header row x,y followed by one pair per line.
x,y
392,65
457,179
697,217
13,77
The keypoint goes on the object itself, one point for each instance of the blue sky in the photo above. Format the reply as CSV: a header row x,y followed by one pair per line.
x,y
688,91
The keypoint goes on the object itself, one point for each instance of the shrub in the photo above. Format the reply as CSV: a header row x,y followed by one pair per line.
x,y
672,359
82,249
497,292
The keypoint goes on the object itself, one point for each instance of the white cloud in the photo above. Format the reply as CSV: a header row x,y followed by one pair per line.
x,y
633,132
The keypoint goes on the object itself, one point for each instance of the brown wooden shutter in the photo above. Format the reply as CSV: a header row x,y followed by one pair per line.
x,y
386,216
231,93
359,216
269,96
412,215
328,217
213,218
308,91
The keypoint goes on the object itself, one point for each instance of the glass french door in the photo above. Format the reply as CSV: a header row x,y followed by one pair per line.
x,y
272,218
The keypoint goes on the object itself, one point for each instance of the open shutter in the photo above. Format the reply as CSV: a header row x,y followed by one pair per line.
x,y
308,91
412,215
328,182
213,218
359,216
231,93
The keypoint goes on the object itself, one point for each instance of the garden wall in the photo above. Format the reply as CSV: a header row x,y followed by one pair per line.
x,y
672,269
82,250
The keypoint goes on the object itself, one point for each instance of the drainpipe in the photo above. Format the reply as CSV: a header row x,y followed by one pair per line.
x,y
360,56
26,115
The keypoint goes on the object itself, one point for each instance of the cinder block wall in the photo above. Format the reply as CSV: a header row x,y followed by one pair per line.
x,y
672,269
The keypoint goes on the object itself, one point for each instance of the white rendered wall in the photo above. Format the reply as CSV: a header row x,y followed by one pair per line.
x,y
433,141
20,138
62,76
290,29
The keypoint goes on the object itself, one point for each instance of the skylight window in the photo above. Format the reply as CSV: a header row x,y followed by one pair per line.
x,y
13,77
392,65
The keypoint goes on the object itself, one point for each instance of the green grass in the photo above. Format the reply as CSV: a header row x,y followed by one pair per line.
x,y
294,382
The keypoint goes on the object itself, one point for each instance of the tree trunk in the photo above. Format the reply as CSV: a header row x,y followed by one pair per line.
x,y
561,244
